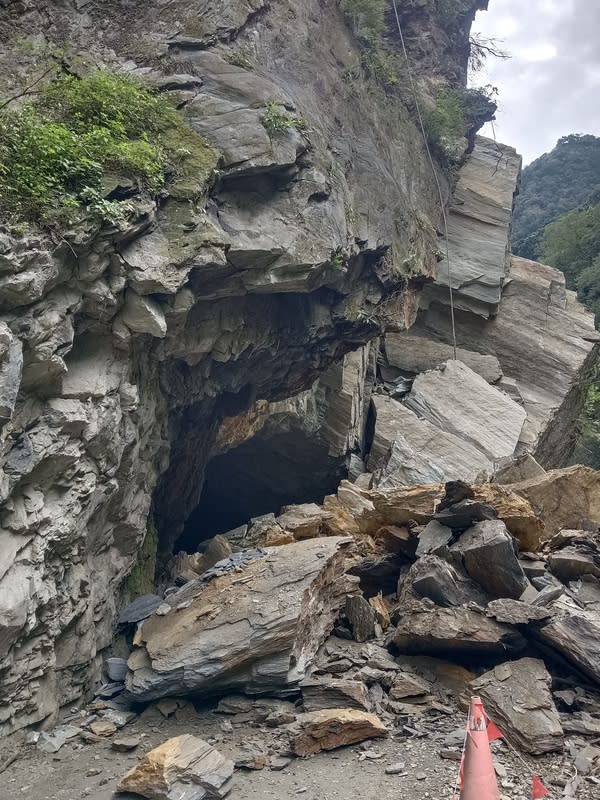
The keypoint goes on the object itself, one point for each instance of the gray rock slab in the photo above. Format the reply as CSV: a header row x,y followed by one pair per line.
x,y
416,353
517,697
459,401
257,629
409,450
479,229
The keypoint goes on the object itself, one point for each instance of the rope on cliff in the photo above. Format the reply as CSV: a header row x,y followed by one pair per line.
x,y
433,169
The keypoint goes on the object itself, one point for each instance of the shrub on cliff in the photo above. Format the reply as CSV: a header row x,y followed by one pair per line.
x,y
56,151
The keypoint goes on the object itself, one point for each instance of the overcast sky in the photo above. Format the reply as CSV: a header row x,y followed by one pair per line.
x,y
551,85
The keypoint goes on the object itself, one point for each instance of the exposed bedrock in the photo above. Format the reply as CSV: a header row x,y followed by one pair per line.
x,y
122,351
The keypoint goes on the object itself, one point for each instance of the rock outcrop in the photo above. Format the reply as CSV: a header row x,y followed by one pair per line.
x,y
123,349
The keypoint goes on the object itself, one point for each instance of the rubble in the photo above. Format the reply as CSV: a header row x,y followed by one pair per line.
x,y
517,697
331,728
183,767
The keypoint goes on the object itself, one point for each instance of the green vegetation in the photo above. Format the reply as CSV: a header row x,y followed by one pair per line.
x,y
276,120
57,151
560,181
557,220
456,114
368,22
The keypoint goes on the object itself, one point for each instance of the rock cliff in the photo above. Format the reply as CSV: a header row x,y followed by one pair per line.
x,y
123,349
216,357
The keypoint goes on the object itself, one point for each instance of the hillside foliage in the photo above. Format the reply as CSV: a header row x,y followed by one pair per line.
x,y
557,221
558,182
57,150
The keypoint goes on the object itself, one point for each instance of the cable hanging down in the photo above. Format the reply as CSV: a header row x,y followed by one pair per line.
x,y
433,169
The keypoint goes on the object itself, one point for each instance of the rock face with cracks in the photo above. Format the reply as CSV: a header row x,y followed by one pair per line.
x,y
517,697
122,350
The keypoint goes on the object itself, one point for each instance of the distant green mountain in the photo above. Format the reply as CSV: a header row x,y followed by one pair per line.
x,y
565,179
557,221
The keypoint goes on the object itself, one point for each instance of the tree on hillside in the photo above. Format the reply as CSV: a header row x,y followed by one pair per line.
x,y
565,179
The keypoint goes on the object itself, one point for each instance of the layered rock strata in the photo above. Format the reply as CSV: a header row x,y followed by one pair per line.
x,y
121,350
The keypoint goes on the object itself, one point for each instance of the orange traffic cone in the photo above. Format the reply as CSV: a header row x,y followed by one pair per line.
x,y
478,778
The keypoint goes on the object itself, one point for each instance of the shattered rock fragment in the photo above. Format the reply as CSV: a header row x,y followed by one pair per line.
x,y
318,694
336,727
430,630
489,558
361,617
183,767
517,697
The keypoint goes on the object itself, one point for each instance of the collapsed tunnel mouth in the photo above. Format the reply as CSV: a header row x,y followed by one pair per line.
x,y
272,469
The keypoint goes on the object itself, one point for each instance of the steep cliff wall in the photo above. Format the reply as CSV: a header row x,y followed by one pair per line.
x,y
123,348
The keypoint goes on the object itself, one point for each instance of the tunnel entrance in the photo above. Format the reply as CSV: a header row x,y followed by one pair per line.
x,y
271,470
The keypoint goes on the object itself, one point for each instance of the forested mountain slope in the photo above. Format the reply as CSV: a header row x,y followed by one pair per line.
x,y
554,184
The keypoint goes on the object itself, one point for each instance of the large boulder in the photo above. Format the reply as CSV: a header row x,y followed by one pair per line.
x,y
449,632
182,768
256,630
517,697
563,498
489,557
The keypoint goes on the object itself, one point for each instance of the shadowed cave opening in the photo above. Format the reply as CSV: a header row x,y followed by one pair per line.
x,y
271,470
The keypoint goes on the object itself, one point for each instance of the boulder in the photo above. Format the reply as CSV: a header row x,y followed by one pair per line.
x,y
517,697
433,537
303,521
182,768
562,498
575,633
489,557
460,402
448,632
256,628
465,513
321,693
336,727
361,617
410,450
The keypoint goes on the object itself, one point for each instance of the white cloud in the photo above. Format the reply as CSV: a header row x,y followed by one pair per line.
x,y
551,85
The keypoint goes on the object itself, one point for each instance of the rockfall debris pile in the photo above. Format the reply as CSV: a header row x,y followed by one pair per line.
x,y
374,615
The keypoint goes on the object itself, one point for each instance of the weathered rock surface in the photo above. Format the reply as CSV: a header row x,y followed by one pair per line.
x,y
413,352
575,633
563,498
254,631
489,557
481,213
517,697
544,340
123,350
431,630
453,424
337,727
458,400
183,768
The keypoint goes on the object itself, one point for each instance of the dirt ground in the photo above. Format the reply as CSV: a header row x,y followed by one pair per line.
x,y
80,770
